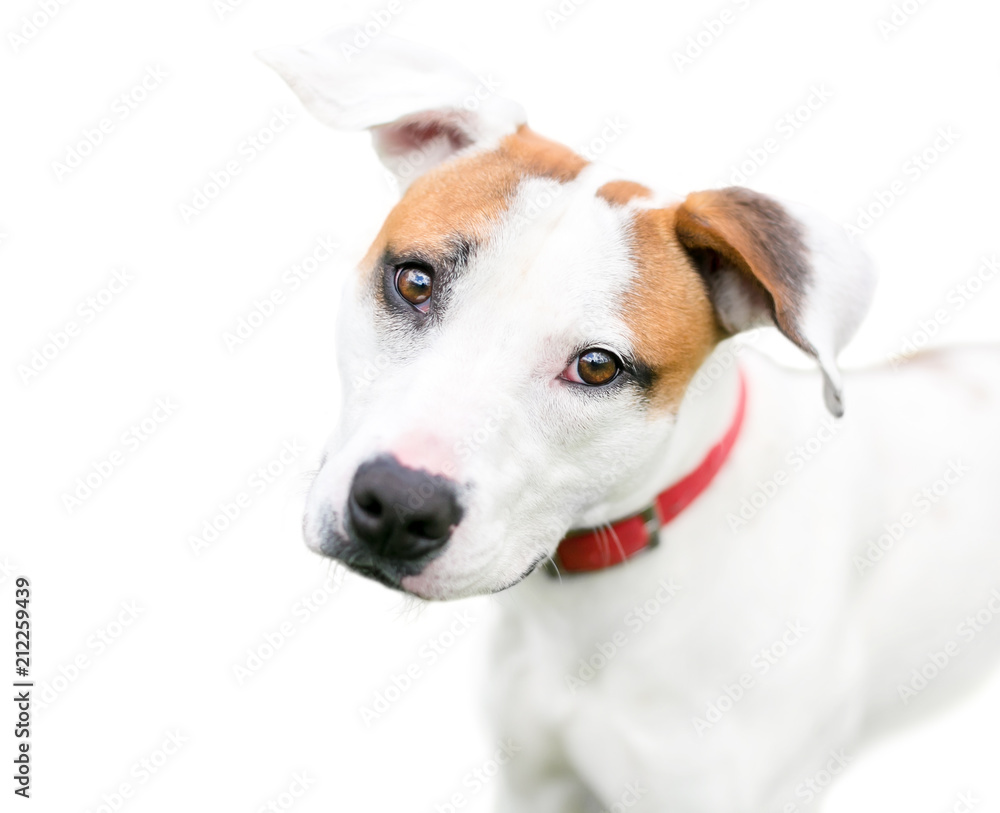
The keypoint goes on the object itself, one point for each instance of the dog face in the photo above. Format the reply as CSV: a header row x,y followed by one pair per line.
x,y
517,342
500,339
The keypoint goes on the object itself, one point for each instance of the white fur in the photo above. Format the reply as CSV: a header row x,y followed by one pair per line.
x,y
525,299
796,560
392,81
536,457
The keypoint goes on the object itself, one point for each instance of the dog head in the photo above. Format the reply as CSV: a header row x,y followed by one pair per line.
x,y
526,321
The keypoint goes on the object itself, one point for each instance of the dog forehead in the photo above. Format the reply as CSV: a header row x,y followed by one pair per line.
x,y
602,263
469,196
566,247
564,251
550,279
535,220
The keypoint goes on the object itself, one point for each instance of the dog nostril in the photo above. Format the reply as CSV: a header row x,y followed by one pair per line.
x,y
424,528
370,504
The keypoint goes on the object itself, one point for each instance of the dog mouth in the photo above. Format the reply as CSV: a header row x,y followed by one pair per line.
x,y
355,556
371,571
341,544
539,559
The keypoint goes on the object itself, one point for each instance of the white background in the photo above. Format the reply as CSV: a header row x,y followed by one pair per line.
x,y
172,668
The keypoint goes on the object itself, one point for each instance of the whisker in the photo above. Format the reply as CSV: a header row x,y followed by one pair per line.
x,y
554,567
618,542
603,539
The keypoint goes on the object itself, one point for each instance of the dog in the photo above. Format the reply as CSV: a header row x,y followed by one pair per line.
x,y
714,586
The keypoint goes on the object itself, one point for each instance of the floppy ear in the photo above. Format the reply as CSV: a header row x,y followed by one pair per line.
x,y
420,106
770,263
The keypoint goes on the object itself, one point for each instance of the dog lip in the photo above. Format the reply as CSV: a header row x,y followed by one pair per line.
x,y
341,548
371,571
531,569
347,551
362,561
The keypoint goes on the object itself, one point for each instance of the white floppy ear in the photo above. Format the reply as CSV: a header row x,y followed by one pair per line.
x,y
781,264
421,106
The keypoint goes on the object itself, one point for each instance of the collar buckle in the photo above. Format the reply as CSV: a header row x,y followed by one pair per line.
x,y
651,519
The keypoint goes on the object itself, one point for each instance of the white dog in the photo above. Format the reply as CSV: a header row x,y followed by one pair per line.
x,y
552,390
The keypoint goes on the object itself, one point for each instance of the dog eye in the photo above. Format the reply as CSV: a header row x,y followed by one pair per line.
x,y
594,367
415,284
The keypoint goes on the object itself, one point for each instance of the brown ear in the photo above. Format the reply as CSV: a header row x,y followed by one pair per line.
x,y
771,263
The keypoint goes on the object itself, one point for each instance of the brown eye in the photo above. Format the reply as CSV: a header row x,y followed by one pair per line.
x,y
415,284
596,367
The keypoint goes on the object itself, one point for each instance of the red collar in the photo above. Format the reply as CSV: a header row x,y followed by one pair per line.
x,y
598,548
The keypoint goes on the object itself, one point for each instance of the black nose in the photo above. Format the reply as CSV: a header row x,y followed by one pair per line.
x,y
401,513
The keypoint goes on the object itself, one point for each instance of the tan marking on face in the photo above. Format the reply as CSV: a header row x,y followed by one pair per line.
x,y
619,193
542,157
667,307
468,196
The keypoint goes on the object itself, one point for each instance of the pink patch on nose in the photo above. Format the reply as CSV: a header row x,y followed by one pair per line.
x,y
425,453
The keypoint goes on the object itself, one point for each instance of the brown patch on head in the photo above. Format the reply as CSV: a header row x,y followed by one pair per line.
x,y
667,307
753,234
619,193
539,156
466,197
